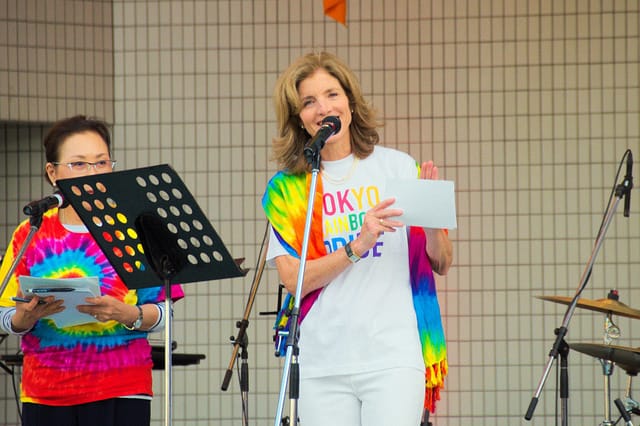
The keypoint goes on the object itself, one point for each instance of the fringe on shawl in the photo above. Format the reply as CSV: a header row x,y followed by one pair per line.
x,y
434,380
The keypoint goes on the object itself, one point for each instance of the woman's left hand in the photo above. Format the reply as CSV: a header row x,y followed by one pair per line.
x,y
428,170
108,308
439,247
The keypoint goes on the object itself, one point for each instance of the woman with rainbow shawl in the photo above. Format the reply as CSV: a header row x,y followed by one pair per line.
x,y
96,373
372,347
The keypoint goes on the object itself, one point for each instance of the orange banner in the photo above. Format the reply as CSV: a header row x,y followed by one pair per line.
x,y
336,9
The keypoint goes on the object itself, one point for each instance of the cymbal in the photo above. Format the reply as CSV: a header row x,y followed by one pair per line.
x,y
605,305
626,358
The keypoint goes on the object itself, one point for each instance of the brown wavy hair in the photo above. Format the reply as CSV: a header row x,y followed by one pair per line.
x,y
288,145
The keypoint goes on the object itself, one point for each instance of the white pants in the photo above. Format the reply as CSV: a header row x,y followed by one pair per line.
x,y
392,397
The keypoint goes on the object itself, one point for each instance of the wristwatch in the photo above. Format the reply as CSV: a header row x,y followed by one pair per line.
x,y
350,254
138,322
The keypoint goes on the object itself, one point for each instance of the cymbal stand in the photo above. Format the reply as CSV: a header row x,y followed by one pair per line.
x,y
611,334
630,404
607,370
611,330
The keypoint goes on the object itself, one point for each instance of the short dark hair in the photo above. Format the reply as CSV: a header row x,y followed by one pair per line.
x,y
66,127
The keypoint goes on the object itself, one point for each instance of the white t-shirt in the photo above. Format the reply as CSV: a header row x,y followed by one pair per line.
x,y
364,319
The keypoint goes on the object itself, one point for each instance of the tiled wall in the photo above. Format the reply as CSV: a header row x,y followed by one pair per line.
x,y
56,59
528,106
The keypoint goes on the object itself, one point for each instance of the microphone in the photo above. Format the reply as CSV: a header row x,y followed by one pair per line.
x,y
39,207
330,125
628,178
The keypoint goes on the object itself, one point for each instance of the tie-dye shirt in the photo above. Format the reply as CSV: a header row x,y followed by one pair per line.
x,y
82,363
362,320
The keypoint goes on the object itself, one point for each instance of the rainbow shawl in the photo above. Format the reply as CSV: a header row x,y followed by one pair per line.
x,y
285,204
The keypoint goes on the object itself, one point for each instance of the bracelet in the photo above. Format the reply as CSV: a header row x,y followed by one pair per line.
x,y
138,322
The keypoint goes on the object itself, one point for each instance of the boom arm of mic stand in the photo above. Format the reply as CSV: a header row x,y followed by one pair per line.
x,y
563,330
35,222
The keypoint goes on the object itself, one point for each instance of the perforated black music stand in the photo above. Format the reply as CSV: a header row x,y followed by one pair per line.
x,y
153,232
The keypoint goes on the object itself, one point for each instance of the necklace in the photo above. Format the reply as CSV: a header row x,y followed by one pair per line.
x,y
346,177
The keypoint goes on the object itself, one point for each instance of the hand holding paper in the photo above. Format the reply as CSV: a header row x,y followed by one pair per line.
x,y
73,291
425,202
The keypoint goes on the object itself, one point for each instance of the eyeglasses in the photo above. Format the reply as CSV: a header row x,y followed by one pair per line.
x,y
82,166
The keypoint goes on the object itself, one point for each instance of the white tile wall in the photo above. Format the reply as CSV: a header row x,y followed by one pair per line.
x,y
56,59
528,106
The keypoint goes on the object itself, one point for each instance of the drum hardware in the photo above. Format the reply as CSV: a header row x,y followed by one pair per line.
x,y
609,354
621,190
627,358
631,405
611,330
624,414
608,305
607,371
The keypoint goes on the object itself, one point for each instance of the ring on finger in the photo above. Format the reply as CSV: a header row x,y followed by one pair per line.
x,y
382,221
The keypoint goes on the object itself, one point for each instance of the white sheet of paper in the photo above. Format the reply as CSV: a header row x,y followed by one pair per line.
x,y
82,288
425,202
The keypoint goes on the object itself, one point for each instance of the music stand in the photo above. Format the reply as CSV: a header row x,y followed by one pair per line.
x,y
153,232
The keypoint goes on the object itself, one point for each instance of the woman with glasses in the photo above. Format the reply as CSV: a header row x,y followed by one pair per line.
x,y
98,373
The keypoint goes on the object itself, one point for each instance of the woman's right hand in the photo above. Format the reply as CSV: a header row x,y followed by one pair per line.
x,y
27,314
321,271
378,220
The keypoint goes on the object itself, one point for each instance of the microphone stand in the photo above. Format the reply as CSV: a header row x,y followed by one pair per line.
x,y
241,340
36,222
291,370
559,345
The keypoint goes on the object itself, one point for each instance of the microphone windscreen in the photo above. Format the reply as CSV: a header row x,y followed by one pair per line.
x,y
334,122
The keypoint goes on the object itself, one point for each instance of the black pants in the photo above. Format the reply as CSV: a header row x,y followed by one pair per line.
x,y
109,412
